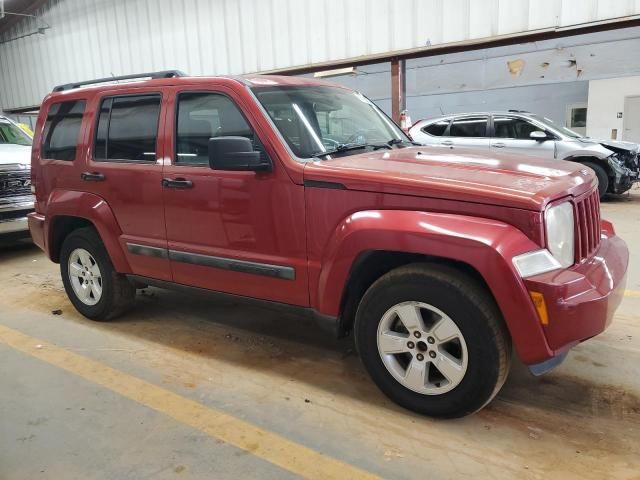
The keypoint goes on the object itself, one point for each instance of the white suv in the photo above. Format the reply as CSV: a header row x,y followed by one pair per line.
x,y
16,200
615,163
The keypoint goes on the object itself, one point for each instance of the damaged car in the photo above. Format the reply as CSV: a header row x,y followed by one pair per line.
x,y
517,132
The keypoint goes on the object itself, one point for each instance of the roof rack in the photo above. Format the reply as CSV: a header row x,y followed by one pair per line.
x,y
517,111
151,75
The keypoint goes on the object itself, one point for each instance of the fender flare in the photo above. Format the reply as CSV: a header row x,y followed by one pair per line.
x,y
597,152
487,246
90,207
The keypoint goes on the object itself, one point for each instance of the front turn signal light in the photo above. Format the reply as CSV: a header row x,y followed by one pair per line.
x,y
541,307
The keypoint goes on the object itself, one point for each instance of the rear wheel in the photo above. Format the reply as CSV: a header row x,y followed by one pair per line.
x,y
433,340
95,289
603,178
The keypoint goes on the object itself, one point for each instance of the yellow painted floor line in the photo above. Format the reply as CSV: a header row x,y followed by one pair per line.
x,y
632,293
269,446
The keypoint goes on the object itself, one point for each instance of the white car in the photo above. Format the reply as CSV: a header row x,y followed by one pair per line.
x,y
16,200
522,133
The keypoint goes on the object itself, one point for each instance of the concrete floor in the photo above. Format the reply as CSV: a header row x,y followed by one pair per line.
x,y
183,387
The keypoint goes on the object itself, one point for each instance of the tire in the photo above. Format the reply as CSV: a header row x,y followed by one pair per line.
x,y
115,293
445,296
603,178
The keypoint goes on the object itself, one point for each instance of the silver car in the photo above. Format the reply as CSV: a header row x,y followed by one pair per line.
x,y
522,133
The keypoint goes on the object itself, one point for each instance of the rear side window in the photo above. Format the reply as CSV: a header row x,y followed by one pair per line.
x,y
436,129
62,129
510,127
127,129
201,116
469,127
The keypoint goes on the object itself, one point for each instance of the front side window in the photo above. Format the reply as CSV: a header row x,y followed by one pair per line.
x,y
204,115
12,134
469,127
436,129
547,122
316,119
127,129
62,129
511,127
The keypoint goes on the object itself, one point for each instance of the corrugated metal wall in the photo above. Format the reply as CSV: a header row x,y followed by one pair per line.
x,y
96,38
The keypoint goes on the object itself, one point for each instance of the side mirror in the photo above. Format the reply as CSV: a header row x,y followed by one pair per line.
x,y
236,153
538,135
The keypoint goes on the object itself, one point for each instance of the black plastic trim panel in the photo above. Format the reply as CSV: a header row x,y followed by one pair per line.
x,y
242,266
322,184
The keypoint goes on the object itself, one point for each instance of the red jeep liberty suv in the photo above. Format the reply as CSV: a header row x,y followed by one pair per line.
x,y
304,195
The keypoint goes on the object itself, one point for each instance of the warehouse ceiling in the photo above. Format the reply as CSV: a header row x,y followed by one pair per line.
x,y
15,11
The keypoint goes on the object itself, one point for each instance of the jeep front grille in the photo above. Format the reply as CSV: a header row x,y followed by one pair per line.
x,y
587,213
15,183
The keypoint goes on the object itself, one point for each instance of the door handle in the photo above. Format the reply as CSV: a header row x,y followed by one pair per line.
x,y
92,176
498,145
177,183
448,143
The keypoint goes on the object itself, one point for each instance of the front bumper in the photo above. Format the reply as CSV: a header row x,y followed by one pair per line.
x,y
582,300
623,177
13,214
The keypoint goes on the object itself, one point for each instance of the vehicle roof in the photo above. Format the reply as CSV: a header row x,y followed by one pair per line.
x,y
247,80
492,112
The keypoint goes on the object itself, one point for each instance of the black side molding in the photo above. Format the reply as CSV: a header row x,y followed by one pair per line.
x,y
321,184
243,266
156,252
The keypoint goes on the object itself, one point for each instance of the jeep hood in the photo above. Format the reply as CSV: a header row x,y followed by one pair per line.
x,y
11,154
434,171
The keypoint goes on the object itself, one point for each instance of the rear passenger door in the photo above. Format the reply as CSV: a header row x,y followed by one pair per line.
x,y
511,135
469,132
124,169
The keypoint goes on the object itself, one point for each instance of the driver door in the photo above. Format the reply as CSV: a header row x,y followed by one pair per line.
x,y
239,232
511,135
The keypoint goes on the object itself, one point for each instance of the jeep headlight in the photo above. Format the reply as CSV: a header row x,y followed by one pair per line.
x,y
560,232
560,243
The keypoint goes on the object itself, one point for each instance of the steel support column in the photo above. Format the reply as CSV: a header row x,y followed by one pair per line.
x,y
398,88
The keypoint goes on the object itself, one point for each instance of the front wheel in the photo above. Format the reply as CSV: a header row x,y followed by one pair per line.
x,y
433,340
603,178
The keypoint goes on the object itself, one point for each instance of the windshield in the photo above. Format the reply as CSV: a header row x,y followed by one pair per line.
x,y
316,119
563,130
10,133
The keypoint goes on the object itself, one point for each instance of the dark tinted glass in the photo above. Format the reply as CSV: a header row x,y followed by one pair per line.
x,y
436,129
130,126
509,127
100,151
469,127
202,116
61,130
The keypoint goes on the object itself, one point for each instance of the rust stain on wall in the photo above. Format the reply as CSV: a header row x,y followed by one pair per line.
x,y
515,67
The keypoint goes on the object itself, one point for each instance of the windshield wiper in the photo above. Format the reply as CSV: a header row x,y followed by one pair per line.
x,y
345,147
398,141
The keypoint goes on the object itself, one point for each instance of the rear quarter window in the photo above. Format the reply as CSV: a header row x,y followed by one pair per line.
x,y
62,130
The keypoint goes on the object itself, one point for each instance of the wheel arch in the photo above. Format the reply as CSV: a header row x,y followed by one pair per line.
x,y
368,244
69,210
369,266
61,227
602,162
